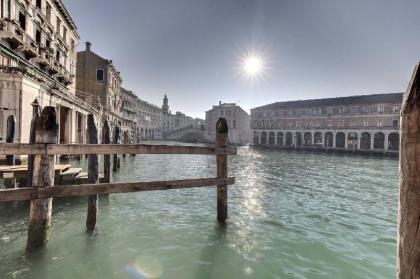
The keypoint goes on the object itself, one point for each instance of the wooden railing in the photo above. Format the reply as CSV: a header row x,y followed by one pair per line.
x,y
42,157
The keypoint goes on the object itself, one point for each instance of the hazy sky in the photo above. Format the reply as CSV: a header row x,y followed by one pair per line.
x,y
191,49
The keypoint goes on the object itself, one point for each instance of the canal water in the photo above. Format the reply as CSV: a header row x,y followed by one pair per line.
x,y
291,215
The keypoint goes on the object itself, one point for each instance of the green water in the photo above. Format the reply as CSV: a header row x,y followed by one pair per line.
x,y
291,215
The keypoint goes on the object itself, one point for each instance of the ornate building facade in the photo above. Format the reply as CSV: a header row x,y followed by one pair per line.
x,y
238,123
129,127
363,123
38,60
98,80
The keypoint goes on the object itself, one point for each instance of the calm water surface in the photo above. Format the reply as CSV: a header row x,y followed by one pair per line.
x,y
292,215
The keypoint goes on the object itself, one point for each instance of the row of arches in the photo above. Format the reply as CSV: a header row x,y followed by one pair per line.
x,y
351,140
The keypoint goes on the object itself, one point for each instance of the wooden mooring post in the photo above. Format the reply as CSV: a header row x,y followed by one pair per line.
x,y
221,161
93,176
40,209
115,163
107,157
408,243
35,116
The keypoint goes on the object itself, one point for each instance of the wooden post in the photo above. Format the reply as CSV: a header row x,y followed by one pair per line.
x,y
221,160
35,116
408,247
107,158
93,176
115,157
10,137
40,209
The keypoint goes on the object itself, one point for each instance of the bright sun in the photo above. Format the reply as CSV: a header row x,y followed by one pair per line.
x,y
253,65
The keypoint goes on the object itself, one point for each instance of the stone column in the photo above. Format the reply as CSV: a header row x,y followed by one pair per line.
x,y
359,139
346,140
275,138
334,139
372,141
386,143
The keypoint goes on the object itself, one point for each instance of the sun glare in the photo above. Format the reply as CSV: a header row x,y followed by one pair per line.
x,y
252,65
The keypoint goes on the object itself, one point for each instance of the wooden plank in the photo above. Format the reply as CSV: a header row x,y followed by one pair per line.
x,y
408,248
30,193
76,149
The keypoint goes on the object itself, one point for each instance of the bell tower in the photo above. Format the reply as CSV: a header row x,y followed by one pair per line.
x,y
165,106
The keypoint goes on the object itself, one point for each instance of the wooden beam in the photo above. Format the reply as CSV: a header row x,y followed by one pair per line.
x,y
30,193
76,149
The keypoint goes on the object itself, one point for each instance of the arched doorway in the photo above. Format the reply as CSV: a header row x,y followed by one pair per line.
x,y
394,141
307,139
271,138
329,140
318,138
352,140
289,139
340,140
365,141
264,138
255,139
298,136
379,140
280,139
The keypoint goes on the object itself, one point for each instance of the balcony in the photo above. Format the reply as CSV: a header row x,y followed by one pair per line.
x,y
64,76
53,66
43,58
18,39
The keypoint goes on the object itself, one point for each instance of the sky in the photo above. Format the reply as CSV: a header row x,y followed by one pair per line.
x,y
193,50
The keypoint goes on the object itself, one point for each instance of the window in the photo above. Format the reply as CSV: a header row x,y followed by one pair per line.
x,y
38,36
353,109
58,26
22,20
365,123
57,56
380,108
380,123
366,108
64,33
48,12
396,108
395,123
100,74
39,4
73,46
341,110
340,123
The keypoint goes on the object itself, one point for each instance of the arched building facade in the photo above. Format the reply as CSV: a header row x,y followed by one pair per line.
x,y
365,123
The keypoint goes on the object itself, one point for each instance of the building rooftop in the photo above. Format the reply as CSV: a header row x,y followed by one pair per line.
x,y
350,100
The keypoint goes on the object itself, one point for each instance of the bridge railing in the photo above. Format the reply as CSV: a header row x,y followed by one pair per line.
x,y
46,148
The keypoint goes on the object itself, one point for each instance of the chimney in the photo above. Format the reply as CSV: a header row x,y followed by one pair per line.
x,y
220,103
88,44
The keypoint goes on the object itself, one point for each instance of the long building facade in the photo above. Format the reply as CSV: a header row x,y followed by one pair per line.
x,y
355,123
38,61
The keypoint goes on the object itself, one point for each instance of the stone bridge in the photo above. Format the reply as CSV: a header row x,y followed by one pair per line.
x,y
187,135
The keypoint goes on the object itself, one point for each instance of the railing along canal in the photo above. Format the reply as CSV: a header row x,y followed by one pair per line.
x,y
46,148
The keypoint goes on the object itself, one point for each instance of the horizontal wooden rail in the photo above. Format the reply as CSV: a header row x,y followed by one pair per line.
x,y
77,149
32,193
